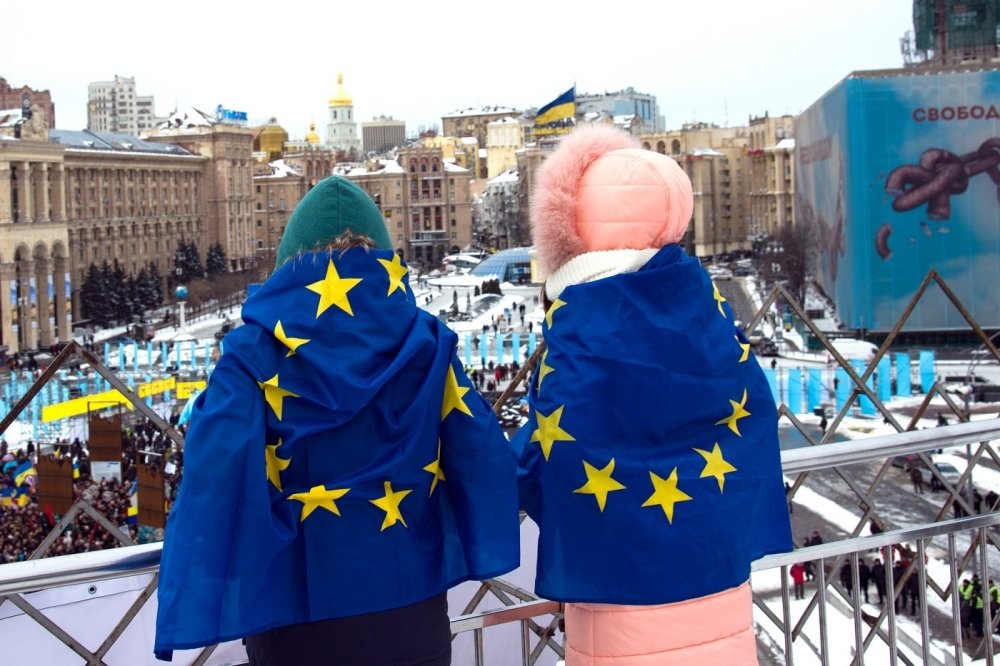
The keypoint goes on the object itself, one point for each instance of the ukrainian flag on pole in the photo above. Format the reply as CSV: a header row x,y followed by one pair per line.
x,y
558,116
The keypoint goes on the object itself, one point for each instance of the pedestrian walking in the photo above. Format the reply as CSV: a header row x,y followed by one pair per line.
x,y
898,595
917,478
965,608
798,573
878,578
845,576
864,574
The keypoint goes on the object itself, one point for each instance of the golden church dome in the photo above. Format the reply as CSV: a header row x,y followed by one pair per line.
x,y
272,139
341,98
312,137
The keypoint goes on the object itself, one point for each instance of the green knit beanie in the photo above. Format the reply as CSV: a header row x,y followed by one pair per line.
x,y
333,206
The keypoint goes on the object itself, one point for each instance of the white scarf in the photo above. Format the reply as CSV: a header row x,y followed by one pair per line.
x,y
591,266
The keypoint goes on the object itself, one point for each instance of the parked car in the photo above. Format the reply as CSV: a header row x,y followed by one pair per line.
x,y
720,273
947,471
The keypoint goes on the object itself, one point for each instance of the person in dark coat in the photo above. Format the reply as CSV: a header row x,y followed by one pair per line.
x,y
864,573
899,595
913,590
917,478
878,577
845,576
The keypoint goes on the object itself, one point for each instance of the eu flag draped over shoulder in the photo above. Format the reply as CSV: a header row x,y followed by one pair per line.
x,y
338,463
558,116
650,458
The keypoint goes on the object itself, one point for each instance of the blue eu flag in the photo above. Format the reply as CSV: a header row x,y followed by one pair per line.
x,y
338,463
650,457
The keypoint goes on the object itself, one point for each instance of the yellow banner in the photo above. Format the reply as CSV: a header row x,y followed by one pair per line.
x,y
79,406
157,387
186,389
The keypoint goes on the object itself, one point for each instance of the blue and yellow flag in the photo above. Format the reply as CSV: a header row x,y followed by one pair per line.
x,y
558,116
24,471
338,463
650,457
6,496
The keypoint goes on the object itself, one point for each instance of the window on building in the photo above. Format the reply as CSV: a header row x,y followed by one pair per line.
x,y
258,189
453,223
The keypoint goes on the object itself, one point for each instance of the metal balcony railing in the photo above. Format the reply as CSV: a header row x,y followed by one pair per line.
x,y
830,625
805,632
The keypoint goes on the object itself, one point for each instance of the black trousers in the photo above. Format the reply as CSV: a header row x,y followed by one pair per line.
x,y
419,634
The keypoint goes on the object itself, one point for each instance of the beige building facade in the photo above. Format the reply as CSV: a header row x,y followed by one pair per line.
x,y
228,183
426,202
504,138
473,121
70,199
771,192
277,188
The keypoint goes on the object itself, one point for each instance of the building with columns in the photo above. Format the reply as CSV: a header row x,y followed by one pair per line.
x,y
69,199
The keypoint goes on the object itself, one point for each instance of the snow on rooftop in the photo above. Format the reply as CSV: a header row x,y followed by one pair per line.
x,y
705,152
386,166
784,144
508,176
186,118
281,169
468,140
480,111
483,153
454,168
10,117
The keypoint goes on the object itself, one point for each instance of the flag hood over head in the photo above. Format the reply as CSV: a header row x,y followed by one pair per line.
x,y
338,463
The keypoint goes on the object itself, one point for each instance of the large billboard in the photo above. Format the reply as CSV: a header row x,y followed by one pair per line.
x,y
898,174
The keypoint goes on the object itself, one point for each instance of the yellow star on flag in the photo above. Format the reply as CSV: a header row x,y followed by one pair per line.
x,y
293,344
274,464
745,346
739,412
715,465
552,308
333,290
275,395
396,271
548,431
319,497
717,295
390,504
599,483
434,467
666,494
453,392
544,369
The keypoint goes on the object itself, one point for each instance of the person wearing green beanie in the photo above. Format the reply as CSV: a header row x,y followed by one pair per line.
x,y
341,472
335,205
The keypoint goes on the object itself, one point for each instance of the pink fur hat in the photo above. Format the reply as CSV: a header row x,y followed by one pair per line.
x,y
599,190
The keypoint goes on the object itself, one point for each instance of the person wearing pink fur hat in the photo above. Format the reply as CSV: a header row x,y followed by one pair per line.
x,y
650,457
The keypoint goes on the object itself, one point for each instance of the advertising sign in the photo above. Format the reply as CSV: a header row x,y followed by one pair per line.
x,y
897,175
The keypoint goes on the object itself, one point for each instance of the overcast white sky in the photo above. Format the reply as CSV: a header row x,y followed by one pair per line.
x,y
710,60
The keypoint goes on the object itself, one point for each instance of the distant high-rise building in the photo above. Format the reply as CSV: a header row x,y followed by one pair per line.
x,y
952,32
381,134
14,98
625,102
114,106
341,130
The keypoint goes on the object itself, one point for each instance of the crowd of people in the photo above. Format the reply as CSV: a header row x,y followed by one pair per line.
x,y
25,522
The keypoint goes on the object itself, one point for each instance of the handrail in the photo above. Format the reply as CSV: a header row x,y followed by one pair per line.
x,y
888,538
18,577
835,454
